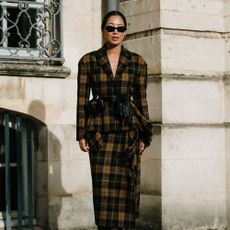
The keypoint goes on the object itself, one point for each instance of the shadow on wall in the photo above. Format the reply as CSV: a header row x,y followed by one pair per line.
x,y
151,182
48,184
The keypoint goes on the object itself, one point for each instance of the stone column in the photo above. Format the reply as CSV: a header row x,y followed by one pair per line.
x,y
227,101
69,179
185,173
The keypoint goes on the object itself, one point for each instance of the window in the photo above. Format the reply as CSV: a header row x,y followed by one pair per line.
x,y
16,171
30,30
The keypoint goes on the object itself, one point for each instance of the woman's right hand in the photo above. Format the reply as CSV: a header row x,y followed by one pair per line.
x,y
84,146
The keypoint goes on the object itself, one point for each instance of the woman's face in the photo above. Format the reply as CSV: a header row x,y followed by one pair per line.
x,y
114,31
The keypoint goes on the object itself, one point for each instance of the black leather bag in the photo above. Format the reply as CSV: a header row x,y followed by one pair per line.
x,y
95,106
124,109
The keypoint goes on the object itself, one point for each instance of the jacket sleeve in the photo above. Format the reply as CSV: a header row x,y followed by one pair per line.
x,y
140,90
83,91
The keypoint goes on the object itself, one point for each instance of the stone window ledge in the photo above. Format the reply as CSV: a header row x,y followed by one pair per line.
x,y
34,70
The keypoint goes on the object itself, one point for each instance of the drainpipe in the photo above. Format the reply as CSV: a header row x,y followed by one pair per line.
x,y
112,5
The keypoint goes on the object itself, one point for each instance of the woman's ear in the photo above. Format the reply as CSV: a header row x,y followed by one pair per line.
x,y
103,34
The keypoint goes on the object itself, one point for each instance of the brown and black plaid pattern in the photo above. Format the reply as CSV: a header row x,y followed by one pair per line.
x,y
95,74
116,184
114,146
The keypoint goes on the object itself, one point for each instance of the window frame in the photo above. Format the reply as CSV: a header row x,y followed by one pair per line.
x,y
48,29
25,214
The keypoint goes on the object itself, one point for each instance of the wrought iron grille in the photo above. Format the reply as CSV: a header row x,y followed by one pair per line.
x,y
31,30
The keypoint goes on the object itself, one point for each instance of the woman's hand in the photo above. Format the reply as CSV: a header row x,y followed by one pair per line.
x,y
142,147
84,146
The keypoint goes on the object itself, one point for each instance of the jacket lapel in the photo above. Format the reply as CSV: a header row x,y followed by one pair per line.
x,y
103,61
123,62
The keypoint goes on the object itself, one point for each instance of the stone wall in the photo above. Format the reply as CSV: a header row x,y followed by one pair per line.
x,y
62,171
70,192
185,173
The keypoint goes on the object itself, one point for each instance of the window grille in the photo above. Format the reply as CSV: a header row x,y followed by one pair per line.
x,y
31,30
16,172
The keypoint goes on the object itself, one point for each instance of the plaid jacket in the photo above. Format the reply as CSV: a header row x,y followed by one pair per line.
x,y
95,75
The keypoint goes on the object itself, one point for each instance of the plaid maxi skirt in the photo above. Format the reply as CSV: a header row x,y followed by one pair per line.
x,y
115,168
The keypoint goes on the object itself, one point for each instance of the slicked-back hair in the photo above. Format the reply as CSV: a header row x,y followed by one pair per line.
x,y
112,13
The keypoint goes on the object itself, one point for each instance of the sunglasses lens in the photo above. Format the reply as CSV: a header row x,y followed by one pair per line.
x,y
112,28
121,29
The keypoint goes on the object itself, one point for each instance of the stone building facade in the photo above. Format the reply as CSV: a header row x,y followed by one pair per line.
x,y
185,171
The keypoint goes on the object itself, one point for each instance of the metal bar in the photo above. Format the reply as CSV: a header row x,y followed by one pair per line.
x,y
30,58
19,171
4,26
61,29
30,175
7,170
14,3
112,5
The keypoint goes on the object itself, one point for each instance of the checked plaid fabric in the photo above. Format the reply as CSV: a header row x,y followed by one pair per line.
x,y
114,145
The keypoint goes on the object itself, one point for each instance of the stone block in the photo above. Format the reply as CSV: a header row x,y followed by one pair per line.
x,y
42,212
82,32
71,212
12,88
149,49
154,98
213,7
141,15
227,142
41,144
227,55
150,213
227,100
69,177
193,143
73,52
190,53
183,177
131,8
41,181
76,9
62,143
227,15
228,205
227,23
48,105
191,101
185,20
195,212
34,97
143,22
228,184
151,177
153,152
180,15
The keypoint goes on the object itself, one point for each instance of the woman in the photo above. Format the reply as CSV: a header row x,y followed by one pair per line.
x,y
107,125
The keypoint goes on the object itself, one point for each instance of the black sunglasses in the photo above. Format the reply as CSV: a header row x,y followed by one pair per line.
x,y
120,29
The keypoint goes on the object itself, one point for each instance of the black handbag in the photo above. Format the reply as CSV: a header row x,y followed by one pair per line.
x,y
124,109
95,106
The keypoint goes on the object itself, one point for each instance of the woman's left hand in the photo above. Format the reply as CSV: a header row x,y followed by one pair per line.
x,y
142,147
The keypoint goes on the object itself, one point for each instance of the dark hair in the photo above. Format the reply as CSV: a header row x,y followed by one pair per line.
x,y
112,13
